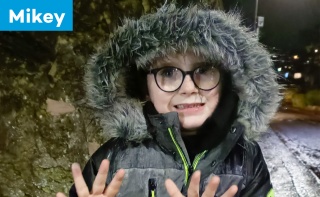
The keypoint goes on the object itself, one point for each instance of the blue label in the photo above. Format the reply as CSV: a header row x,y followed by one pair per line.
x,y
36,15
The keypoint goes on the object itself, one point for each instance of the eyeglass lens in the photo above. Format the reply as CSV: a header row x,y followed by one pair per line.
x,y
171,78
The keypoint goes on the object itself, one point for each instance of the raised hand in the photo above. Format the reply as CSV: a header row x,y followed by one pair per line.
x,y
193,190
99,188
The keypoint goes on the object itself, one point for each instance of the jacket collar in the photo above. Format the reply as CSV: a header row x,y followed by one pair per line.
x,y
217,155
165,129
159,129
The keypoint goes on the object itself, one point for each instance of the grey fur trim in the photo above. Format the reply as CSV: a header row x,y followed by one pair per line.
x,y
126,120
213,34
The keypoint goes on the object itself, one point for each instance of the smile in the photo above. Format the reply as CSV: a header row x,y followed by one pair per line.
x,y
188,106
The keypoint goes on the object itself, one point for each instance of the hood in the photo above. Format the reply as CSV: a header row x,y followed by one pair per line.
x,y
210,33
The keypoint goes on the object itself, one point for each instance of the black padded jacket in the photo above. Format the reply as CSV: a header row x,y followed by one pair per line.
x,y
148,163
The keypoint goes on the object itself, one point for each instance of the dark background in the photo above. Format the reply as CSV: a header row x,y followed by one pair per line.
x,y
37,146
289,25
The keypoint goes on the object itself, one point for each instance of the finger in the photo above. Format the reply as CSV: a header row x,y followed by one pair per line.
x,y
231,191
172,189
59,194
211,187
99,183
114,187
80,184
193,190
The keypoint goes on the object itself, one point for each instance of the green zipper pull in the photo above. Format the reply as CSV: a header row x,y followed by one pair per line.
x,y
152,187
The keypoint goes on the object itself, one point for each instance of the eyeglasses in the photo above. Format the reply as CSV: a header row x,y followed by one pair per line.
x,y
170,79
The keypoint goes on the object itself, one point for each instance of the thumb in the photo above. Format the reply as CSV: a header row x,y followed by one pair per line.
x,y
59,194
172,189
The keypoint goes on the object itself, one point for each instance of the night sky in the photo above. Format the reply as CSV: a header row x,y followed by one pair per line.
x,y
289,24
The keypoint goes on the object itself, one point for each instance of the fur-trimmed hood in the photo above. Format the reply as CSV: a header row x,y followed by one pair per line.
x,y
211,33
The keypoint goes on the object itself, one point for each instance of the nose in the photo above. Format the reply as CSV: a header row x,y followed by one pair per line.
x,y
188,86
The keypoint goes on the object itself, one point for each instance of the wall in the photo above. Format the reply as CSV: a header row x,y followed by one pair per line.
x,y
44,124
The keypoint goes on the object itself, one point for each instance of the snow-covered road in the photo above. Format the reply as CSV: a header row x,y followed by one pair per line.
x,y
303,139
290,148
289,176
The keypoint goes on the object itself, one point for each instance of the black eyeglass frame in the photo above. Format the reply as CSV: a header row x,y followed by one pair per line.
x,y
184,74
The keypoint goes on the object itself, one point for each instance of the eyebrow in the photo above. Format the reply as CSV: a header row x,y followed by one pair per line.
x,y
196,64
206,63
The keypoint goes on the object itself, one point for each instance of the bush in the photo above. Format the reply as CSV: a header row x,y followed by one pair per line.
x,y
288,95
298,100
313,97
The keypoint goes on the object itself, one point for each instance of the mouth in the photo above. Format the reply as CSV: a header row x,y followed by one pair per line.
x,y
189,106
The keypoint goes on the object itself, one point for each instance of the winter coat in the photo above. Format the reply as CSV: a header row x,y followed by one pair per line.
x,y
149,146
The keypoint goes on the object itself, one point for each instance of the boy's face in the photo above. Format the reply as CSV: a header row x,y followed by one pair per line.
x,y
193,105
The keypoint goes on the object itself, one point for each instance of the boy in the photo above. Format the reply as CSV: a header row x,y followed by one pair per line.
x,y
181,92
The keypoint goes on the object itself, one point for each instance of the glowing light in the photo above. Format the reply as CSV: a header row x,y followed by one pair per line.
x,y
295,57
286,75
316,50
297,75
279,69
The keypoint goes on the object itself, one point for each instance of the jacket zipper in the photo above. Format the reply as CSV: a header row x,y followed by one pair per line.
x,y
152,187
188,168
183,157
197,159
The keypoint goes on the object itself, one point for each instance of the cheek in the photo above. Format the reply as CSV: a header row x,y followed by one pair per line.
x,y
153,90
213,98
160,99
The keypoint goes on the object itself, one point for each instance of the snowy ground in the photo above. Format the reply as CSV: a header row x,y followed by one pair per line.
x,y
289,176
290,172
302,138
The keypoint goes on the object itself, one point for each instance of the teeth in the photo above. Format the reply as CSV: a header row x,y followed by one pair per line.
x,y
180,106
185,106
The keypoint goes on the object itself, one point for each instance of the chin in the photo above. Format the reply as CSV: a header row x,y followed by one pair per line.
x,y
189,123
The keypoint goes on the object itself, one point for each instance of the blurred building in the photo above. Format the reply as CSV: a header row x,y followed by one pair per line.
x,y
298,68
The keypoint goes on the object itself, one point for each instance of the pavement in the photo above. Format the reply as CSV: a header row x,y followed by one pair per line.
x,y
289,176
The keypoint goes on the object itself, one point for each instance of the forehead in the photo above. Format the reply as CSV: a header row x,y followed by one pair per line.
x,y
176,59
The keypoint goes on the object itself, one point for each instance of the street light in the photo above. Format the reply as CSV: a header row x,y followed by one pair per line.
x,y
297,75
316,50
258,20
256,16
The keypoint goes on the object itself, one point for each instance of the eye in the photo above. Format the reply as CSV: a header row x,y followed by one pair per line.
x,y
168,72
205,69
202,70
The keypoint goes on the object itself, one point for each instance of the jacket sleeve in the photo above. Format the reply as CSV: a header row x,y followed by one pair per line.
x,y
258,182
90,170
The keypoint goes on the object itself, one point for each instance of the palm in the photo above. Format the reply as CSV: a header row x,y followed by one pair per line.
x,y
193,190
99,188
